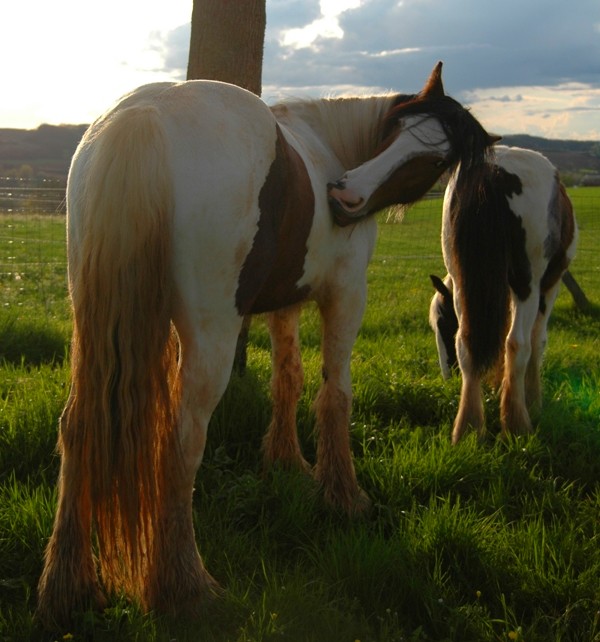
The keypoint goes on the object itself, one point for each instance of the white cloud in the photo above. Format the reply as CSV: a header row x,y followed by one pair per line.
x,y
392,52
569,110
327,26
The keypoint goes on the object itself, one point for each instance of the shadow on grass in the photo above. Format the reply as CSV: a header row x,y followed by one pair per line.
x,y
586,321
569,430
31,342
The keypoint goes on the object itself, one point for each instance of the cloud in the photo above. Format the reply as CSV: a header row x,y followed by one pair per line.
x,y
326,26
173,46
518,98
377,45
385,43
562,111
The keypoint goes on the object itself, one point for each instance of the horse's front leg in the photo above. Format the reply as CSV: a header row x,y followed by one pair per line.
x,y
280,443
342,316
539,338
470,409
513,408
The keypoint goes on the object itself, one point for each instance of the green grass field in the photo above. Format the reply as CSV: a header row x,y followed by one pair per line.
x,y
478,542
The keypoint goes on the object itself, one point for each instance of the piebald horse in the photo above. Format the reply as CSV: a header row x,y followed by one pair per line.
x,y
506,245
191,205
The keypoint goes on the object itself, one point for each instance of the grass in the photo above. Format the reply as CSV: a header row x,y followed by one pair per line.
x,y
478,542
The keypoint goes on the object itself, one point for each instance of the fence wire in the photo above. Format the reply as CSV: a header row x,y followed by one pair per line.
x,y
33,246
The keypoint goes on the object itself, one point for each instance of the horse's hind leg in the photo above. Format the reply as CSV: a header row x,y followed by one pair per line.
x,y
335,469
69,582
470,409
280,443
513,408
539,338
178,581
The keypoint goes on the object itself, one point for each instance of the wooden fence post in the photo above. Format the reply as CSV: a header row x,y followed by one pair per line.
x,y
581,301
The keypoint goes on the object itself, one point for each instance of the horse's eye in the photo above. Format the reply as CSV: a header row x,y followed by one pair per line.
x,y
440,163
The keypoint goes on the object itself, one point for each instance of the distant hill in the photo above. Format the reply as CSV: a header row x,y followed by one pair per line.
x,y
46,152
576,159
42,152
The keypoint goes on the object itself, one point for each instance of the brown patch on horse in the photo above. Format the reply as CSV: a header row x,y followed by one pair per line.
x,y
562,225
409,182
268,279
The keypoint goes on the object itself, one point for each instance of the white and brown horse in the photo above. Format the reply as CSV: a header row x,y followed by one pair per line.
x,y
190,206
506,243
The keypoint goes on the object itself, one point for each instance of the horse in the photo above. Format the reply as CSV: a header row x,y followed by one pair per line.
x,y
506,245
190,206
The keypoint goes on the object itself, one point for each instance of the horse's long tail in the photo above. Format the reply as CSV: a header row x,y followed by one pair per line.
x,y
122,410
481,246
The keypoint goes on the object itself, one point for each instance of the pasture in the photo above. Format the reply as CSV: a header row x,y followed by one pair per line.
x,y
477,542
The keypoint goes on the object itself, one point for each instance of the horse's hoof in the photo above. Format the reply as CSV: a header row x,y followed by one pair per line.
x,y
354,503
56,614
361,504
189,598
295,463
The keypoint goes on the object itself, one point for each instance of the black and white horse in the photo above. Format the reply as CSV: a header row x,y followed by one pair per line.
x,y
506,242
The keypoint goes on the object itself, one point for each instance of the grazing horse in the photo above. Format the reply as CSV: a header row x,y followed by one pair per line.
x,y
506,244
191,205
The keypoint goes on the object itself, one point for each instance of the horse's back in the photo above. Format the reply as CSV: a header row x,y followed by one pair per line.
x,y
536,175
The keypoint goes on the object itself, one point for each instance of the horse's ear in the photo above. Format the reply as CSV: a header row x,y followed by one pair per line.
x,y
440,286
434,88
494,138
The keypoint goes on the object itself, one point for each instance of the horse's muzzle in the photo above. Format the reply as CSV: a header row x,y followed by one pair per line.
x,y
346,206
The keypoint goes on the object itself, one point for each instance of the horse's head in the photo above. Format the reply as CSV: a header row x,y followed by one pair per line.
x,y
423,136
444,322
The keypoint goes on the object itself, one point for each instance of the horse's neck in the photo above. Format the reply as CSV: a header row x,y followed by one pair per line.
x,y
349,127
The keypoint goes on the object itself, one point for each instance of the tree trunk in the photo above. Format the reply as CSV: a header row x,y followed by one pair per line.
x,y
227,42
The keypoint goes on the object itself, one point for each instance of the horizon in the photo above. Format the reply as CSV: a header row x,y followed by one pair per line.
x,y
507,134
503,134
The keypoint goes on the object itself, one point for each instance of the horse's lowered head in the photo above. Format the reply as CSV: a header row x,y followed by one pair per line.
x,y
422,136
444,322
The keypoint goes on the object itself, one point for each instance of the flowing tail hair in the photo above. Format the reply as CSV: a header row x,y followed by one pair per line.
x,y
481,247
122,411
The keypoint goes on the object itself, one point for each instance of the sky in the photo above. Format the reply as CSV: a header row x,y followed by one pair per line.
x,y
522,66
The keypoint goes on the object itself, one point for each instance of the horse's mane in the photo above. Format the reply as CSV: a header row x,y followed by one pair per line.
x,y
470,143
351,126
355,127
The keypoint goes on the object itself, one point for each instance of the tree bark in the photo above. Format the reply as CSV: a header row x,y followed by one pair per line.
x,y
227,42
